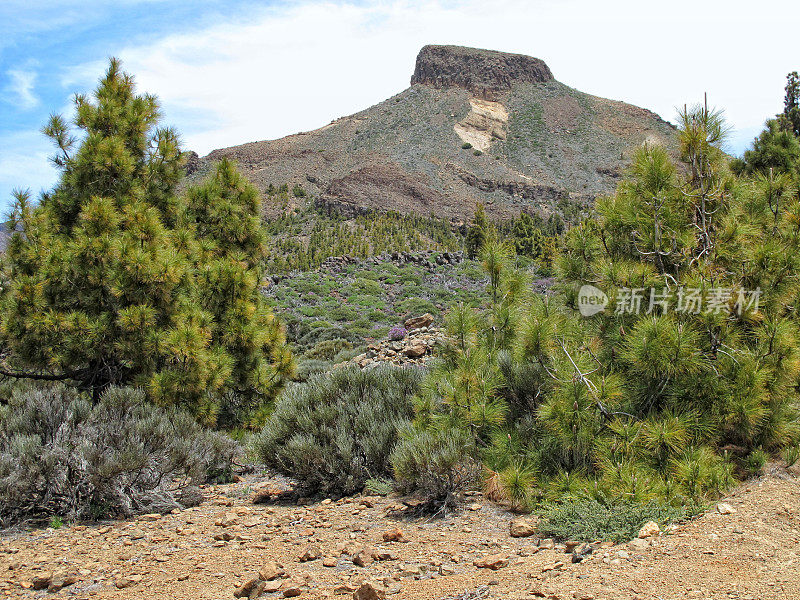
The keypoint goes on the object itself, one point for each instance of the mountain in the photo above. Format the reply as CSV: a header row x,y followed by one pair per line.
x,y
475,125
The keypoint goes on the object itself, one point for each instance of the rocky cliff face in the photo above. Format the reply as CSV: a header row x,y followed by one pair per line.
x,y
475,126
485,73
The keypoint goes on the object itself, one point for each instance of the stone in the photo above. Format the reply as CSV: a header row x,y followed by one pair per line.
x,y
415,350
521,528
310,553
475,506
151,517
369,591
724,508
125,582
546,544
570,545
42,580
363,559
229,519
492,561
394,535
272,586
249,588
292,591
638,544
271,570
61,580
419,322
329,562
649,529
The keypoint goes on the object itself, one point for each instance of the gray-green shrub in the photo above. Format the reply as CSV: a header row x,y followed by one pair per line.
x,y
336,431
435,463
60,455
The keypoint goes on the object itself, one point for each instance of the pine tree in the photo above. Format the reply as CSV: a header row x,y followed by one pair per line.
x,y
224,213
478,232
113,279
791,104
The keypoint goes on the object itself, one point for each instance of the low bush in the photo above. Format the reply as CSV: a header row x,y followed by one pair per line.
x,y
791,454
61,456
336,431
309,367
435,463
589,520
327,349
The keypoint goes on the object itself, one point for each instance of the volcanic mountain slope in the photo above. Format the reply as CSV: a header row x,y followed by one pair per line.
x,y
475,125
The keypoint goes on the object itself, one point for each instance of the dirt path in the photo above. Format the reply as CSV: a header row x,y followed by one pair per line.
x,y
750,554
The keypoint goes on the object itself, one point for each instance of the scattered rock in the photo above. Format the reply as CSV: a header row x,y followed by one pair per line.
x,y
42,580
271,570
252,588
419,322
493,562
61,580
310,553
369,591
415,350
292,591
520,528
394,535
649,529
638,544
724,508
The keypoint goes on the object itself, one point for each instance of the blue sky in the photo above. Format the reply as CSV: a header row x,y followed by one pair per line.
x,y
240,71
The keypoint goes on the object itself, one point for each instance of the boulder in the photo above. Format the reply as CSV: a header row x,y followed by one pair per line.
x,y
415,349
419,322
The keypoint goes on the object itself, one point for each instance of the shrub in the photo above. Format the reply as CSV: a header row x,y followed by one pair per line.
x,y
436,463
336,431
589,520
754,462
62,457
477,152
327,349
791,454
310,367
466,146
397,333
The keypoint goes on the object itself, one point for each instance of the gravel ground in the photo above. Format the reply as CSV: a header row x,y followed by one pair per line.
x,y
207,551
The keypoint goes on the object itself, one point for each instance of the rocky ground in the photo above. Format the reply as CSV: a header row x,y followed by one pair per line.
x,y
358,548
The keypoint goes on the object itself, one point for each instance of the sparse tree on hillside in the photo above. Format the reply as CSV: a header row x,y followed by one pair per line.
x,y
478,232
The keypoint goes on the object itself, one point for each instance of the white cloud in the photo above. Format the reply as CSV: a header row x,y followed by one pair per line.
x,y
20,88
272,72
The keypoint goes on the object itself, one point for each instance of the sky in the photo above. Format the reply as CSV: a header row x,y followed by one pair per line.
x,y
243,70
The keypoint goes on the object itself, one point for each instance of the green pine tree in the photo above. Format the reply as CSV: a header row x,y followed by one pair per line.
x,y
224,213
478,232
113,279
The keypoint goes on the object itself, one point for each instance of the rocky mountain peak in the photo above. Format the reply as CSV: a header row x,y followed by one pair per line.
x,y
483,72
